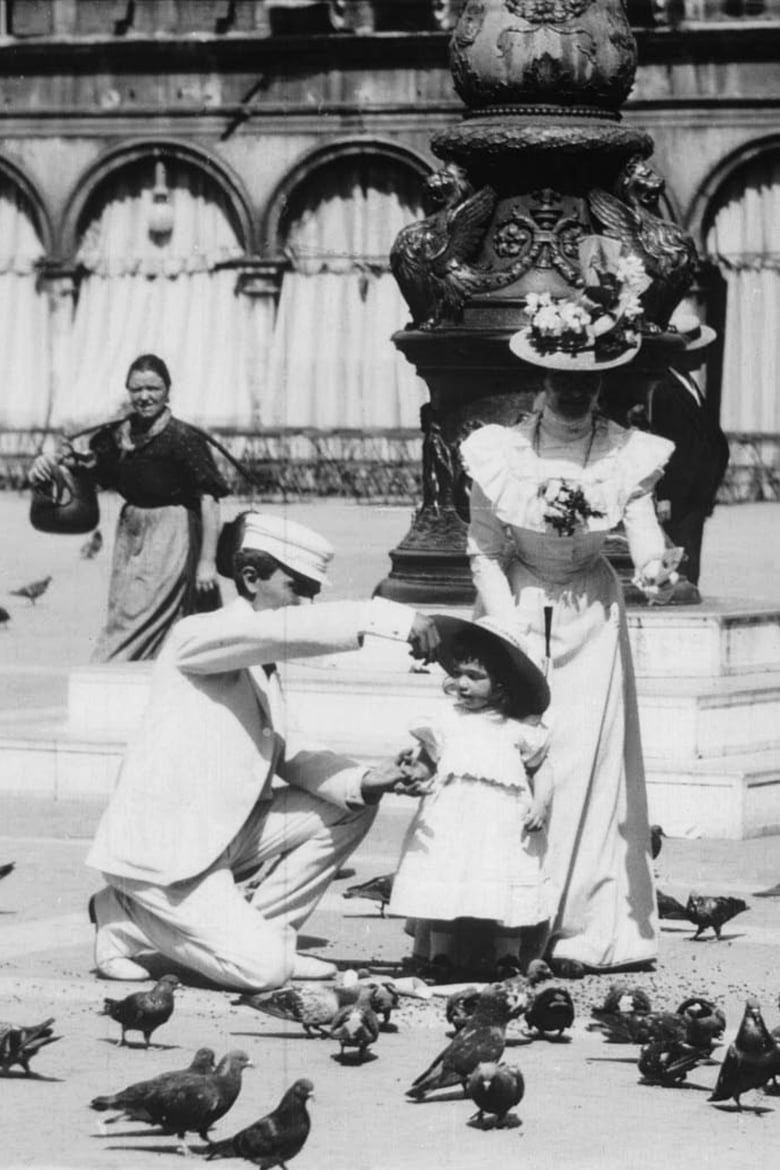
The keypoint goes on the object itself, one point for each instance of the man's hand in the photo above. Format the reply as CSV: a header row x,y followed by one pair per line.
x,y
384,778
424,638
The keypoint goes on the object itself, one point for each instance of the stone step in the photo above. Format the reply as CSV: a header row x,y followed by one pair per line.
x,y
705,641
735,798
694,718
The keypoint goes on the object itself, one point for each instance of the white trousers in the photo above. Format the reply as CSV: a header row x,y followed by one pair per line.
x,y
205,924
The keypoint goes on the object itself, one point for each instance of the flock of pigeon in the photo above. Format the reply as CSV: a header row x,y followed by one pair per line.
x,y
356,1007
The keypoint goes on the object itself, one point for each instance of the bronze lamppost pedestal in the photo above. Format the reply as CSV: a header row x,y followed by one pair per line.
x,y
540,160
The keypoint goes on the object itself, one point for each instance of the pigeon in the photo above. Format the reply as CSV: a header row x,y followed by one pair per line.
x,y
275,1139
460,1006
550,1010
537,972
143,1011
751,1061
356,1025
7,868
622,997
639,1027
495,1088
313,1006
34,590
92,546
713,911
18,1044
377,889
670,908
656,839
706,1023
131,1102
667,1062
5,617
383,999
190,1101
482,1039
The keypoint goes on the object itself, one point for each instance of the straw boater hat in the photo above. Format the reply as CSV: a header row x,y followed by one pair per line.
x,y
299,549
585,360
528,689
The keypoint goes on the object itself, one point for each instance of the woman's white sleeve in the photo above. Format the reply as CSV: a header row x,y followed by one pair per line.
x,y
487,548
645,536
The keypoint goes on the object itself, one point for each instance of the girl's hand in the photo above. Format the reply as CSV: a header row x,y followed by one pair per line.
x,y
536,818
205,576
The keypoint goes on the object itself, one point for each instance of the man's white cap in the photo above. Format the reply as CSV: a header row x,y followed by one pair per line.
x,y
296,547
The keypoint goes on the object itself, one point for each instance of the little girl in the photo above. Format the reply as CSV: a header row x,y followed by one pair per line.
x,y
470,872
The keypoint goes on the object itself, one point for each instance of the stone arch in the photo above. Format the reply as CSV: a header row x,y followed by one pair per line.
x,y
272,226
118,158
42,220
705,197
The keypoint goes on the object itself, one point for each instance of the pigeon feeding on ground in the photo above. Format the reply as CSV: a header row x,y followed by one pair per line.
x,y
669,908
5,617
383,998
7,868
143,1011
92,546
751,1061
667,1062
189,1101
551,1010
495,1089
706,1023
481,1040
19,1044
34,590
275,1139
313,1006
132,1102
356,1026
377,889
713,912
459,1007
656,840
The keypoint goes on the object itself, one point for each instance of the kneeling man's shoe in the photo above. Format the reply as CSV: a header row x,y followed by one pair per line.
x,y
307,967
122,968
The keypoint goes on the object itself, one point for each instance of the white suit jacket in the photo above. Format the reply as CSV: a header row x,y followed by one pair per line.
x,y
213,735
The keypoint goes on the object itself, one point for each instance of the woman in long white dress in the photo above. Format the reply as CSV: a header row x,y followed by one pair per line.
x,y
545,495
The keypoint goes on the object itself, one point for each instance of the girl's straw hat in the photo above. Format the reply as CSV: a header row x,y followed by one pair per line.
x,y
528,689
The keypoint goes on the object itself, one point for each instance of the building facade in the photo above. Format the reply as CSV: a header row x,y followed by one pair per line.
x,y
220,182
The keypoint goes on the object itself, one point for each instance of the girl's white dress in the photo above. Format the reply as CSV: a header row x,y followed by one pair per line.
x,y
467,853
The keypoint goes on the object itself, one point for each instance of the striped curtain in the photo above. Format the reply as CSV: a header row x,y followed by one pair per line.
x,y
167,295
744,239
24,317
332,362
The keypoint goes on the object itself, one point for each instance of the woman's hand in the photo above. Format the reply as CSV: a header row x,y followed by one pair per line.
x,y
205,576
43,470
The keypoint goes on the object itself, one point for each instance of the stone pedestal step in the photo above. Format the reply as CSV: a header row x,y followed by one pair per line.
x,y
735,797
715,638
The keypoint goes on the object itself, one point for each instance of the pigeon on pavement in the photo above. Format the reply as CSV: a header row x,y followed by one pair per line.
x,y
495,1089
356,1025
383,998
706,1023
91,546
5,617
275,1139
551,1010
669,908
656,840
460,1006
34,590
312,1005
143,1011
190,1102
639,1027
7,868
713,912
131,1102
667,1062
377,889
18,1044
751,1061
482,1039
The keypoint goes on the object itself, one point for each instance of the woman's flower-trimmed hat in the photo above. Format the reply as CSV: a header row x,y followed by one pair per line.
x,y
596,331
528,690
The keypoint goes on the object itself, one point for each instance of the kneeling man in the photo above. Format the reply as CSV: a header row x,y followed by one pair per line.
x,y
194,810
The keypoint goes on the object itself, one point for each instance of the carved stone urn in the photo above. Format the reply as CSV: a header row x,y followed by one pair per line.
x,y
540,159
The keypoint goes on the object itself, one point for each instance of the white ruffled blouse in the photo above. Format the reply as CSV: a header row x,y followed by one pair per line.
x,y
483,745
